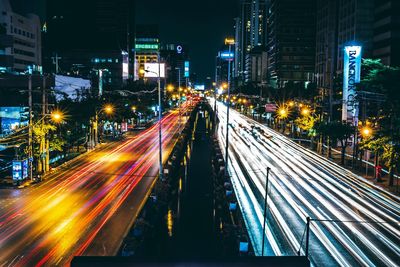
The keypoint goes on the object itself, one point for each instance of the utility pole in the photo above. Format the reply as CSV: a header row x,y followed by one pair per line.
x,y
179,93
307,235
265,210
230,42
55,61
47,141
159,118
215,93
30,130
42,158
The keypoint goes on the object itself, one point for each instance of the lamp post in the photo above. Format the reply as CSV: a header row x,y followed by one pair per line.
x,y
229,42
160,173
179,93
366,133
108,109
43,160
265,210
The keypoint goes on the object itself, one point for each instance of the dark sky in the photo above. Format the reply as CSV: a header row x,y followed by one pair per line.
x,y
201,24
28,6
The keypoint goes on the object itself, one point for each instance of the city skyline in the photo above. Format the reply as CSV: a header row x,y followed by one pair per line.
x,y
199,133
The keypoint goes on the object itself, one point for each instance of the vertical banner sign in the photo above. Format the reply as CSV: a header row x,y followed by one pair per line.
x,y
125,66
17,170
351,76
187,69
100,83
25,168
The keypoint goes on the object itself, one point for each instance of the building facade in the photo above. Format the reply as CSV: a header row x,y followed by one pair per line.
x,y
97,40
20,41
326,45
355,26
177,62
291,42
146,48
386,40
250,33
259,66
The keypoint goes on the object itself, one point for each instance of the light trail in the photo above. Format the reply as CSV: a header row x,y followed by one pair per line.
x,y
302,184
49,223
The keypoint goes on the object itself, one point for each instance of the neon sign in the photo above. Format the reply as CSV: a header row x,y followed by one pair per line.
x,y
351,76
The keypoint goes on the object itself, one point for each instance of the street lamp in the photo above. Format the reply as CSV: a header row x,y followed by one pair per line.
x,y
305,111
179,90
229,42
57,116
108,109
282,113
43,163
160,173
366,132
170,88
138,114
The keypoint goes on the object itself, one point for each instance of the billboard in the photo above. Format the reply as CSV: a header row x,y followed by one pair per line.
x,y
270,108
125,66
25,167
179,49
152,70
227,55
187,69
70,86
20,169
146,46
351,76
12,118
200,87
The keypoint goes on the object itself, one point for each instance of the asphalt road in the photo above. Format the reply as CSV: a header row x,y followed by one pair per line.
x,y
358,223
87,206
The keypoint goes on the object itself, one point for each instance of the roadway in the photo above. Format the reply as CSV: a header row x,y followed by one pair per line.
x,y
87,206
358,223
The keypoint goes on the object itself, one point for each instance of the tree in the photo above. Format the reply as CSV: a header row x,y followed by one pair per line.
x,y
306,123
40,131
337,131
385,80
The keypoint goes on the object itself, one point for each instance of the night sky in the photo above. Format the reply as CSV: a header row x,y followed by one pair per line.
x,y
201,24
29,6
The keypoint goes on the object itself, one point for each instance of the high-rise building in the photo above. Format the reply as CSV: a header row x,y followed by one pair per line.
x,y
20,41
89,38
259,66
100,24
291,41
355,26
177,63
146,48
386,40
326,45
341,23
221,67
250,32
